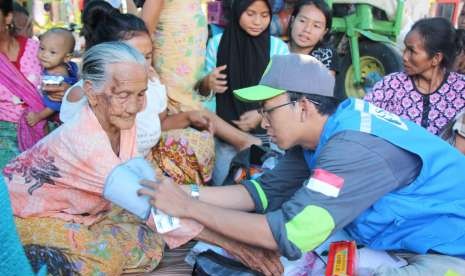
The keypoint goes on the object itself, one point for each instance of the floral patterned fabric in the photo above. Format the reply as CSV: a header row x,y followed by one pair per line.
x,y
398,94
56,193
8,142
186,155
117,244
179,52
61,177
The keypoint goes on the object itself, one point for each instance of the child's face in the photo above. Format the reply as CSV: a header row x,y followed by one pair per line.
x,y
308,27
53,51
256,18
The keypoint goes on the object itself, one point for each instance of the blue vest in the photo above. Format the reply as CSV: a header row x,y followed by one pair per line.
x,y
429,213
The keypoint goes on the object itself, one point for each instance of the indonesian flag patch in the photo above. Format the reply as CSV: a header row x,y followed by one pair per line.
x,y
325,182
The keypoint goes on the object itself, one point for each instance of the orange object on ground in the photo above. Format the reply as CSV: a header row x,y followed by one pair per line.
x,y
341,259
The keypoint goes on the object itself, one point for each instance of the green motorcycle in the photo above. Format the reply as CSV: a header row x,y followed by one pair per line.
x,y
365,33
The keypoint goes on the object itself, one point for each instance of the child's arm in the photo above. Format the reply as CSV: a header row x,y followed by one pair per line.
x,y
34,117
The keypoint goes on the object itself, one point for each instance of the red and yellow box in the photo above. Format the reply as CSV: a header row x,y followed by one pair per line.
x,y
341,259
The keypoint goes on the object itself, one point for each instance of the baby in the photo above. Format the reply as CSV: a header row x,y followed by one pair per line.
x,y
55,52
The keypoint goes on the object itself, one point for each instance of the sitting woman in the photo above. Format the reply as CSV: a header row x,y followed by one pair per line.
x,y
56,186
427,92
183,153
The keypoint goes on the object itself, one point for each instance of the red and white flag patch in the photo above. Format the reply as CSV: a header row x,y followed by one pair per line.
x,y
326,183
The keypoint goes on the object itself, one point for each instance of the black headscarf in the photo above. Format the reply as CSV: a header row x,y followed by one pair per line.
x,y
246,58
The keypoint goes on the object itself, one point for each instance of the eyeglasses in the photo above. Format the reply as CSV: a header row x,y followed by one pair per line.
x,y
266,112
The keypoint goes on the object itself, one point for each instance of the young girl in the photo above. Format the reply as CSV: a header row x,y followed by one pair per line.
x,y
240,56
309,30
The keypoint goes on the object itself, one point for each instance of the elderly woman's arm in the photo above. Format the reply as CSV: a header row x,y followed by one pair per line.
x,y
197,119
151,13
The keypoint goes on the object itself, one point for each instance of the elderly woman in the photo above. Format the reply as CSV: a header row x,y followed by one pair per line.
x,y
56,186
427,92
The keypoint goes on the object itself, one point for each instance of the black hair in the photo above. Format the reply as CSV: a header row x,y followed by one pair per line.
x,y
20,8
460,41
325,105
6,6
319,4
103,23
438,37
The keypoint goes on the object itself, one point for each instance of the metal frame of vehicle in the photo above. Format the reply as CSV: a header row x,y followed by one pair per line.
x,y
362,23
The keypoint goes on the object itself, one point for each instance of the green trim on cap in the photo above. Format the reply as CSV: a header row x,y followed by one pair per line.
x,y
257,93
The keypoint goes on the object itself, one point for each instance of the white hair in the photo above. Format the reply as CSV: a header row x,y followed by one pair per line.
x,y
97,59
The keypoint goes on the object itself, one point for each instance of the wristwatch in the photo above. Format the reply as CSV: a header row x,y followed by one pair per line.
x,y
195,191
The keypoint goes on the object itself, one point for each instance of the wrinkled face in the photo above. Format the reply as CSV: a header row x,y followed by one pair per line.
x,y
143,44
256,18
416,59
123,96
53,51
279,120
308,27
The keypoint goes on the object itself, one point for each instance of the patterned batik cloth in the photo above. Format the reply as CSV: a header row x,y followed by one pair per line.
x,y
119,243
56,192
186,155
179,52
8,142
398,94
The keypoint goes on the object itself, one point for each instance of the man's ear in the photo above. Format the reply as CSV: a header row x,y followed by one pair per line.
x,y
90,93
307,109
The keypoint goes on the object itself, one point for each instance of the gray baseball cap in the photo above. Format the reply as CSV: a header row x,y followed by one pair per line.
x,y
293,72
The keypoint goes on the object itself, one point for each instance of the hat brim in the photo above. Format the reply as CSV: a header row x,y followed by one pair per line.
x,y
257,93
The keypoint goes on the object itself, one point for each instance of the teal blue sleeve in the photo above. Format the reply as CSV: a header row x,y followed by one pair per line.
x,y
211,53
13,260
278,47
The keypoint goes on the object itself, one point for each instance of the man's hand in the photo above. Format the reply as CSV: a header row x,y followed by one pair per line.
x,y
249,120
56,92
200,120
262,260
167,196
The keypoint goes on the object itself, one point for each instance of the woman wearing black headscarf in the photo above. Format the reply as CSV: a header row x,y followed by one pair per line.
x,y
240,56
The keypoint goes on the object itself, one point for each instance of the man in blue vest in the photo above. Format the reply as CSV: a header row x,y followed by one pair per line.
x,y
388,182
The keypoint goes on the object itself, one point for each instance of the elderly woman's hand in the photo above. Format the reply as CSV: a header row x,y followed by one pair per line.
x,y
167,196
56,92
200,120
249,120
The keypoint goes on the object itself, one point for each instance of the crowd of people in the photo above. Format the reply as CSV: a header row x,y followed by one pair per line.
x,y
386,170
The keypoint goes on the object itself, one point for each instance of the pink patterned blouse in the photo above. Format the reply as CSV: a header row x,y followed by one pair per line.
x,y
11,107
398,94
